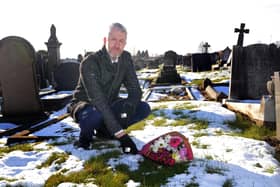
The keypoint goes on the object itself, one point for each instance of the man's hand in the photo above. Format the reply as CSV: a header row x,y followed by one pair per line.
x,y
128,146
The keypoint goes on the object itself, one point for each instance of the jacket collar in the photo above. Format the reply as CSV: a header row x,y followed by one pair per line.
x,y
108,57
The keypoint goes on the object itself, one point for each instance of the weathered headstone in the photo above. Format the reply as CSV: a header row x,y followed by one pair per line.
x,y
201,62
251,68
53,54
18,78
168,74
66,76
241,32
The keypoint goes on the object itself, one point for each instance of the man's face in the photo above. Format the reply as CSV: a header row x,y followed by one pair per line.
x,y
116,42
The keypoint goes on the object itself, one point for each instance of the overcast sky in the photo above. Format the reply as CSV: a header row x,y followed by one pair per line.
x,y
155,25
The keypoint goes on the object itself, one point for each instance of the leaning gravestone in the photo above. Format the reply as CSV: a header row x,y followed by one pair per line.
x,y
252,66
168,74
66,76
17,77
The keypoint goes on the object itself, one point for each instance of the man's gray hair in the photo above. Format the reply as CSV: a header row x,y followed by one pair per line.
x,y
118,26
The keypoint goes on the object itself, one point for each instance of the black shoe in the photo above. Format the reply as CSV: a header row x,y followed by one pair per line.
x,y
77,144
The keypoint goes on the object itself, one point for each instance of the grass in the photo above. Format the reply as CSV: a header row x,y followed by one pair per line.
x,y
214,170
6,179
249,129
270,170
219,132
152,174
198,145
55,157
160,122
199,124
18,147
217,80
96,171
137,126
159,107
229,183
200,134
258,165
178,122
184,106
197,82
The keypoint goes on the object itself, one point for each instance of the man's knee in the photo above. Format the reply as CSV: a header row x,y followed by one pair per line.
x,y
89,117
144,109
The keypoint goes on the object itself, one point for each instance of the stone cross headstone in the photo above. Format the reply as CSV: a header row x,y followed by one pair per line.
x,y
206,46
18,77
168,74
251,68
53,54
241,31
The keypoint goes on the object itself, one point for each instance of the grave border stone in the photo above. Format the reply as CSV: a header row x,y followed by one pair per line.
x,y
277,102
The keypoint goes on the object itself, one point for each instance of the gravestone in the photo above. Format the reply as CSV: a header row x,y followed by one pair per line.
x,y
66,76
154,64
187,61
41,68
241,32
139,63
252,66
225,55
168,74
201,62
17,77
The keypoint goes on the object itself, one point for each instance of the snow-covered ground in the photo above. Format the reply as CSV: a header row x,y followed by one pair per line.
x,y
247,162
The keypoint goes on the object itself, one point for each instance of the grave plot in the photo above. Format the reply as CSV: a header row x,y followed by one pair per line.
x,y
169,93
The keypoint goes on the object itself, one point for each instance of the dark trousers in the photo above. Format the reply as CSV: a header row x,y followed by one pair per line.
x,y
91,120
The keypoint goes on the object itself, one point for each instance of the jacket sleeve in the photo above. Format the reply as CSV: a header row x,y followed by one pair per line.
x,y
90,77
132,84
